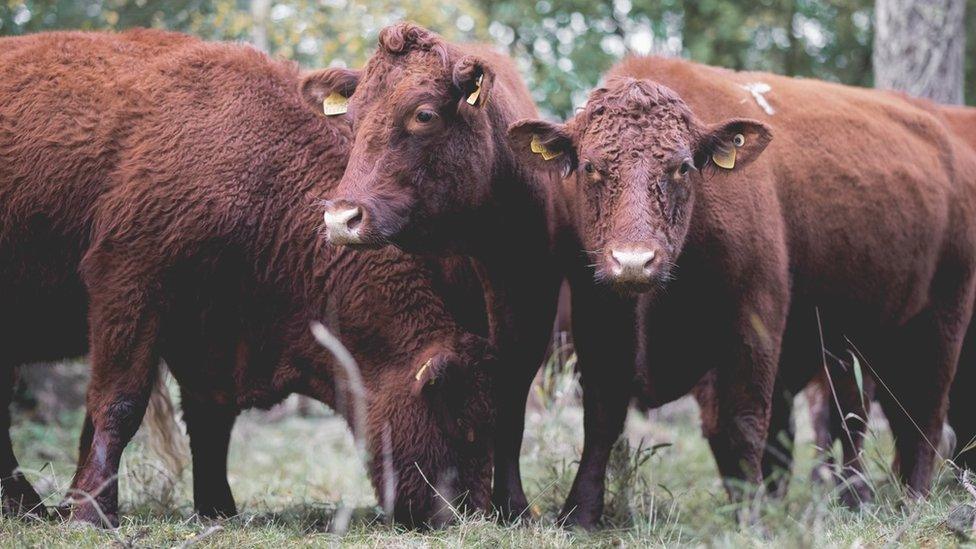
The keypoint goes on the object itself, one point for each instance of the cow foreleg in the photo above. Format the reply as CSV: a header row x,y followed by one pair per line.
x,y
604,332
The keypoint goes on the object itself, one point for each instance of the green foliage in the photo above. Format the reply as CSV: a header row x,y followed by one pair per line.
x,y
562,46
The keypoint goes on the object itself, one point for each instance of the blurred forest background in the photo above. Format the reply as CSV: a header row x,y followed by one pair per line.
x,y
563,46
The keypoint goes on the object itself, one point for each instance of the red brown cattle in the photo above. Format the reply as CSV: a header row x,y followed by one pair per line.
x,y
860,217
190,191
43,224
431,172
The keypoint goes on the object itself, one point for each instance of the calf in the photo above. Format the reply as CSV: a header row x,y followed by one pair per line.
x,y
860,218
199,244
431,172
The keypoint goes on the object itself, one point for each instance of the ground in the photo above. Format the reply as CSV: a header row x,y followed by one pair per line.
x,y
298,482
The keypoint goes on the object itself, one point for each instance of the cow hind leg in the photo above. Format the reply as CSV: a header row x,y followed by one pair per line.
x,y
124,368
922,366
18,496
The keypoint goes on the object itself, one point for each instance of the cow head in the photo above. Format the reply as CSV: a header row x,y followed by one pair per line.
x,y
424,146
637,156
431,433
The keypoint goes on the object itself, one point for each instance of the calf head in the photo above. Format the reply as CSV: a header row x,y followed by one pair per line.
x,y
431,433
424,148
637,156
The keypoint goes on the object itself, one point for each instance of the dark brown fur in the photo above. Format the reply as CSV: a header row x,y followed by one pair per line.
x,y
431,173
187,194
861,218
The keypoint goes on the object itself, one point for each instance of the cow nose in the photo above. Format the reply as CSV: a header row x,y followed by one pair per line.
x,y
632,264
342,224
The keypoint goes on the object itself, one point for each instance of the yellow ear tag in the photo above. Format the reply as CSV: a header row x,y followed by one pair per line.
x,y
473,98
540,149
420,372
335,104
724,160
727,159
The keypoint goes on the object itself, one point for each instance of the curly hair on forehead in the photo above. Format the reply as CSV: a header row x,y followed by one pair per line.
x,y
625,95
403,38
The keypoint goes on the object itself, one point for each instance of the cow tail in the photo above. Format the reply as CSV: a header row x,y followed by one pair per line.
x,y
165,438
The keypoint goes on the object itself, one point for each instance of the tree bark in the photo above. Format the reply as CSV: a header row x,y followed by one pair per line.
x,y
919,46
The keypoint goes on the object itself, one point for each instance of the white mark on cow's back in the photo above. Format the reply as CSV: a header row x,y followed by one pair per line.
x,y
758,90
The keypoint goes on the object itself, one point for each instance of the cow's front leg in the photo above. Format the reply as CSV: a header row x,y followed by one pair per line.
x,y
604,332
745,392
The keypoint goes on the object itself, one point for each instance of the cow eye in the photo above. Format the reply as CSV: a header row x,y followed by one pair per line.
x,y
588,168
685,167
426,116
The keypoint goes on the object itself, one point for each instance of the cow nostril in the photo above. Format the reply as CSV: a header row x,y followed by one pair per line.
x,y
632,263
355,220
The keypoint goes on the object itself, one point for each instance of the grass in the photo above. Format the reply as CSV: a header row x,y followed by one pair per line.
x,y
296,477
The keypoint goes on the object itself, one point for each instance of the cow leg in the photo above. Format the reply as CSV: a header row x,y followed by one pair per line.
x,y
820,405
511,391
933,338
521,301
209,426
84,447
604,332
777,461
745,394
18,496
124,362
849,425
962,406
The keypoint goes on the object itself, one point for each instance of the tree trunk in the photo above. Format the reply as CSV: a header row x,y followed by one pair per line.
x,y
918,48
259,28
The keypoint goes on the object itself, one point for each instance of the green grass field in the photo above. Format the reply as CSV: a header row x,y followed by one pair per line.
x,y
298,482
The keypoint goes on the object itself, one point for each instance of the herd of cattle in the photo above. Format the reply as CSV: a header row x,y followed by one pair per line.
x,y
734,235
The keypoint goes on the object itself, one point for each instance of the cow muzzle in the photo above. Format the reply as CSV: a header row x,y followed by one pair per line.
x,y
343,224
633,266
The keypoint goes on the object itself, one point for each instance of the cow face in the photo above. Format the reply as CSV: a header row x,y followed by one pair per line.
x,y
423,152
636,155
431,434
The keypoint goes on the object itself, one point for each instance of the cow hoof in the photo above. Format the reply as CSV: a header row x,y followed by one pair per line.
x,y
217,511
86,514
512,509
579,519
21,500
854,493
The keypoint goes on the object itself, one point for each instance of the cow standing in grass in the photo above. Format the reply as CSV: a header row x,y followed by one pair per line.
x,y
175,208
431,172
860,217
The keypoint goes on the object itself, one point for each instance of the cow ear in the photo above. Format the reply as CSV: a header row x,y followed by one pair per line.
x,y
327,91
431,371
473,79
543,145
732,144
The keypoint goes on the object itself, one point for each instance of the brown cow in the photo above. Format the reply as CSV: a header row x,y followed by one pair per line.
x,y
860,217
42,301
199,243
431,172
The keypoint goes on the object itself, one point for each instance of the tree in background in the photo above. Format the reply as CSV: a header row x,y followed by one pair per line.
x,y
918,48
562,46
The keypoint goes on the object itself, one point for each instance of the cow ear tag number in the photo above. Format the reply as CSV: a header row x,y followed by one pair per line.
x,y
726,159
335,104
473,98
540,149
